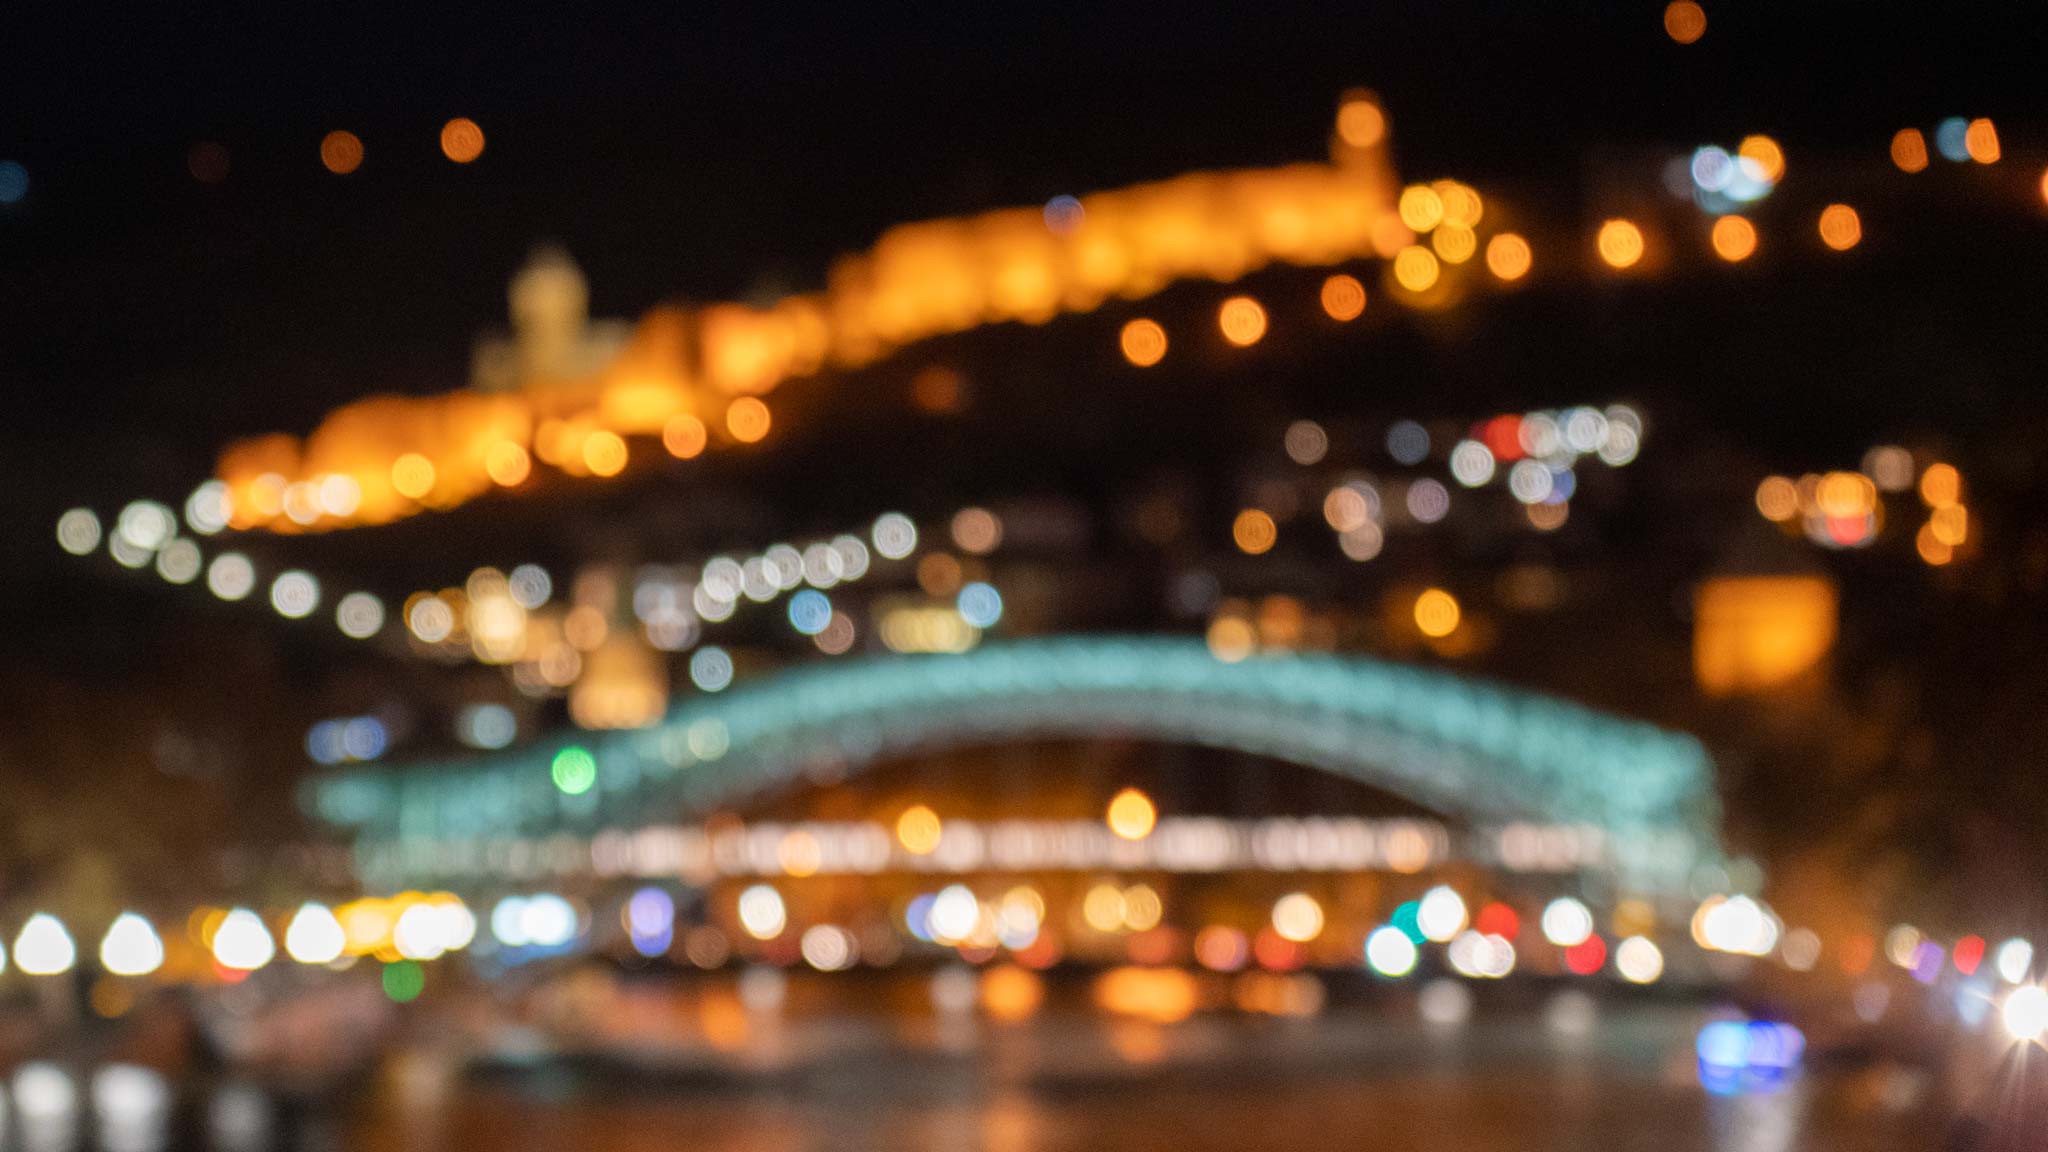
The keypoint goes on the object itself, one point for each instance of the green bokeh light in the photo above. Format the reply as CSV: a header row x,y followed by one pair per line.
x,y
404,981
574,771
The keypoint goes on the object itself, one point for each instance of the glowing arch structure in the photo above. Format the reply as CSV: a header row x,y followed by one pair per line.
x,y
1479,751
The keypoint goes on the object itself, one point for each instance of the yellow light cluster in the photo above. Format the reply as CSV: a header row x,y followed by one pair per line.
x,y
921,280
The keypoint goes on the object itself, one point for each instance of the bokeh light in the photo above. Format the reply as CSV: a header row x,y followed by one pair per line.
x,y
461,140
918,830
1909,150
341,152
1437,613
1343,297
1297,917
1620,243
1508,256
1254,532
1415,268
1143,342
1243,321
1980,140
748,420
1131,815
1360,122
1390,952
1685,21
1734,238
1840,227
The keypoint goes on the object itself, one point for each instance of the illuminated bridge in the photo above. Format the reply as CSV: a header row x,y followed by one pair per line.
x,y
1487,755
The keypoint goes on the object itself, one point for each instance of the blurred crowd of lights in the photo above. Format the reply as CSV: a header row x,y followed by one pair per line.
x,y
1845,509
608,666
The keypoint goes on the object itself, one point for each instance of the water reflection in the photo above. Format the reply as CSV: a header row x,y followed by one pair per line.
x,y
1562,1073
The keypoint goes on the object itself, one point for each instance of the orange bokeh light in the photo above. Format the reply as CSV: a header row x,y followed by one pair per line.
x,y
1734,238
604,453
1343,297
1243,321
1840,227
1620,243
1508,256
1143,342
341,152
1909,150
461,140
412,475
1361,123
747,420
507,463
1254,532
684,436
1685,21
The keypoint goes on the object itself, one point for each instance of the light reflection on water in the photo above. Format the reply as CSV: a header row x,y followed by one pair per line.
x,y
1052,1086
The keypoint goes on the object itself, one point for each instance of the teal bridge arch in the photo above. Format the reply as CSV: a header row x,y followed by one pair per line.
x,y
1479,751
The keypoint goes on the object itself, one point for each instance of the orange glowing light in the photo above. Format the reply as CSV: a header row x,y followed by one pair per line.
x,y
1981,140
1437,613
1950,524
1343,297
461,140
1160,995
1462,206
604,453
1254,532
684,436
1909,150
1508,256
1143,342
1734,238
747,420
1941,485
918,830
1620,243
507,463
1932,548
412,475
1361,123
1840,227
1420,207
1131,815
1010,993
1454,243
1243,321
1415,268
1685,21
1765,153
1752,633
341,152
1777,498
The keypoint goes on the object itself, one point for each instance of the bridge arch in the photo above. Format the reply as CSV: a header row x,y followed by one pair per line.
x,y
1467,747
